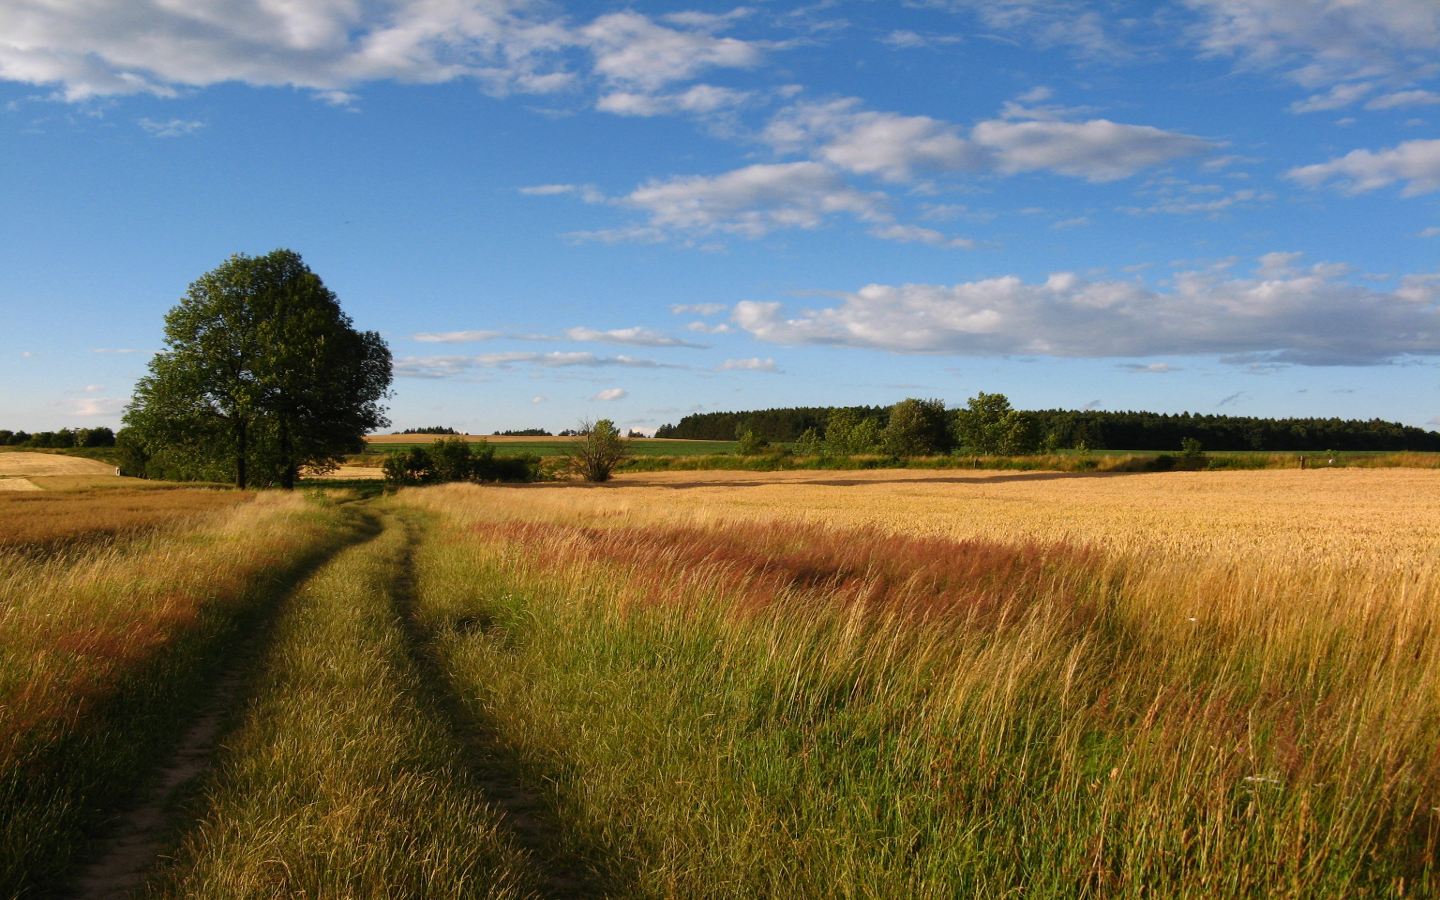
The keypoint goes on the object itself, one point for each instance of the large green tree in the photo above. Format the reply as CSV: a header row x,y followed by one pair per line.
x,y
987,424
262,374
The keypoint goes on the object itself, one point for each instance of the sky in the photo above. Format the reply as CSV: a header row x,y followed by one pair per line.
x,y
565,211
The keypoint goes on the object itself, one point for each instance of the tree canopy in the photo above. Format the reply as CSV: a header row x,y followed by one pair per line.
x,y
262,374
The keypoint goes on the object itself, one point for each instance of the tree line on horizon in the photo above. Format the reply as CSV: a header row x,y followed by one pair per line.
x,y
1057,429
60,439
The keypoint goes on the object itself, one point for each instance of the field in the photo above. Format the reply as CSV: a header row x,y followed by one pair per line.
x,y
890,683
549,446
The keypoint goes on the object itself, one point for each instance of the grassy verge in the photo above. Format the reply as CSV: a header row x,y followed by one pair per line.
x,y
794,711
344,780
103,652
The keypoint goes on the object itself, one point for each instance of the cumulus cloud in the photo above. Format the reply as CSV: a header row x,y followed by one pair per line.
x,y
631,49
114,47
1309,316
700,99
1416,163
1097,150
1321,41
613,393
754,200
333,47
890,146
454,337
1150,368
753,364
900,148
451,366
538,399
640,337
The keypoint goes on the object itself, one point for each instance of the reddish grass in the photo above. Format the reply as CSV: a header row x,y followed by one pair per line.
x,y
762,564
45,522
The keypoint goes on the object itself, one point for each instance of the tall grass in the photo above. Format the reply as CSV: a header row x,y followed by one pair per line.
x,y
752,709
103,649
47,521
344,780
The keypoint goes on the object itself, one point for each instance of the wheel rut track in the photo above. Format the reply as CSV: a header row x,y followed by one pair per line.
x,y
132,846
566,865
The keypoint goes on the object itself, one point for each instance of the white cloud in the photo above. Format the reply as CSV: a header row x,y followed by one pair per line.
x,y
1416,163
700,99
913,40
915,234
630,49
538,399
900,148
97,406
169,128
1046,23
640,337
589,193
707,328
1076,222
754,201
451,366
753,364
698,309
1400,99
1185,203
1322,41
114,47
1432,231
1306,316
614,393
1338,97
115,350
1150,368
890,146
454,337
1097,150
26,354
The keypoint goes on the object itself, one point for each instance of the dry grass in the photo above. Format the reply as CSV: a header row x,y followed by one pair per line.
x,y
20,464
888,683
45,521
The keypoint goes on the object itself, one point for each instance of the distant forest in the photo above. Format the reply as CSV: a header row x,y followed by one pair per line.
x,y
1097,430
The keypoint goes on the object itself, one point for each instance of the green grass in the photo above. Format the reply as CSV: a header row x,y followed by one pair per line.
x,y
104,655
346,779
785,713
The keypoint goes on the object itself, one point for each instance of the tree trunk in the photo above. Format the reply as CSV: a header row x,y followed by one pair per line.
x,y
242,449
287,456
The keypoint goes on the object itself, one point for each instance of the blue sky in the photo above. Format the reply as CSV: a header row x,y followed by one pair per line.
x,y
565,211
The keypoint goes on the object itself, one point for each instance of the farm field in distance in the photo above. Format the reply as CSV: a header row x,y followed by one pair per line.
x,y
549,446
865,683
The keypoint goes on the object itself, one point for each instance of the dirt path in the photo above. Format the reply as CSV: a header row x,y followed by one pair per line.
x,y
126,856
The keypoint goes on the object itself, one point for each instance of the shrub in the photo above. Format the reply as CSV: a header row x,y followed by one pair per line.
x,y
599,450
